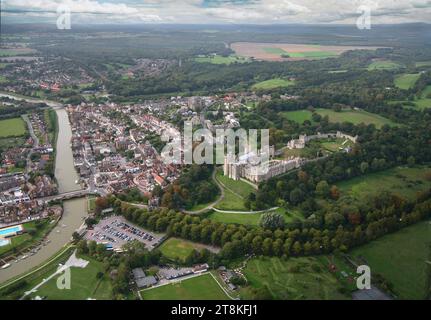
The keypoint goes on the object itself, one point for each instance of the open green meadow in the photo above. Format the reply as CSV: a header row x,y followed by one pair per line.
x,y
292,279
401,258
12,128
355,117
175,248
250,219
197,288
221,60
423,63
406,182
299,116
84,284
272,84
238,186
2,79
231,201
383,65
406,81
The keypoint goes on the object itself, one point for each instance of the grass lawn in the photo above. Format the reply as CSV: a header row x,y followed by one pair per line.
x,y
221,60
355,117
423,63
250,219
35,276
238,186
231,202
406,81
175,248
383,65
272,84
292,279
299,116
401,259
3,79
84,284
91,203
403,181
198,288
12,128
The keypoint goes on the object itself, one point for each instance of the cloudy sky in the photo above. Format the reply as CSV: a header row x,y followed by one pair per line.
x,y
218,11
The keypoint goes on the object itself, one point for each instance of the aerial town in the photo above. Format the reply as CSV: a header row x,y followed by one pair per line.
x,y
214,162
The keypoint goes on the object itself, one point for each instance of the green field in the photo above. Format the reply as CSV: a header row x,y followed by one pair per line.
x,y
2,79
175,248
406,182
406,81
292,279
12,128
355,117
278,51
231,202
250,219
401,259
383,65
272,84
313,54
84,284
299,116
197,288
238,186
221,60
423,64
423,101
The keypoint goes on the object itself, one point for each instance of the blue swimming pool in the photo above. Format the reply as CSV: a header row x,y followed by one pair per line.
x,y
10,230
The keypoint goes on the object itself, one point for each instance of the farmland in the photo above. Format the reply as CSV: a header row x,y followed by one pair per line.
x,y
202,287
405,182
292,279
392,257
289,51
12,128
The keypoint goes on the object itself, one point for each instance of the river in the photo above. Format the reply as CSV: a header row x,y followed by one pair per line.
x,y
74,210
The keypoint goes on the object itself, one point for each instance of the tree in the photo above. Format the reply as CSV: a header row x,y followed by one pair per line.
x,y
296,196
322,189
272,220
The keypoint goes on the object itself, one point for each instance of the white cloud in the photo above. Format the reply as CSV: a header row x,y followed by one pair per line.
x,y
256,11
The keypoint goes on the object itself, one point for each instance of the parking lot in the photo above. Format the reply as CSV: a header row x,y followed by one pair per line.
x,y
116,231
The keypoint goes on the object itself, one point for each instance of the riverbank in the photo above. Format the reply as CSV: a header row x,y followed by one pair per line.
x,y
75,211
